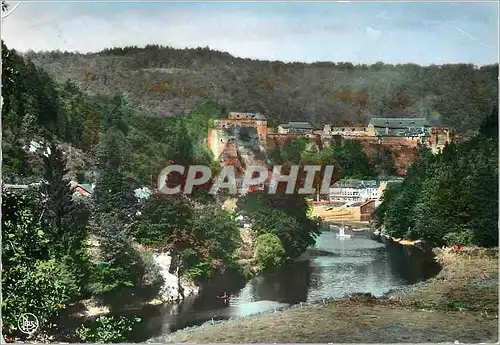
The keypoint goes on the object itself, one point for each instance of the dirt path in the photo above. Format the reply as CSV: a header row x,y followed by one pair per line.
x,y
459,304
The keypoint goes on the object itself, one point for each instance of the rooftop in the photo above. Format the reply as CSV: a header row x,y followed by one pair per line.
x,y
301,125
352,183
86,186
254,116
400,122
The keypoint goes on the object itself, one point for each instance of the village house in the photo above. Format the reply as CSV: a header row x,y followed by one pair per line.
x,y
357,211
84,189
295,128
345,131
416,128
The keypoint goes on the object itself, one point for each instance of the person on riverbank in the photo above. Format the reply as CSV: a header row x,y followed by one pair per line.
x,y
225,297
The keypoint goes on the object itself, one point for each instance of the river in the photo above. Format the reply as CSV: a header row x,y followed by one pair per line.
x,y
343,266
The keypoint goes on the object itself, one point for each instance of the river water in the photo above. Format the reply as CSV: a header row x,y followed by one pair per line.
x,y
343,266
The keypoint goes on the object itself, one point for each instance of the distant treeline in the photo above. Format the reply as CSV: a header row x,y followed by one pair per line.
x,y
167,81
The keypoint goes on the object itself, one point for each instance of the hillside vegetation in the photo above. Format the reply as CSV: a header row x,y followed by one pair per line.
x,y
166,81
449,198
46,229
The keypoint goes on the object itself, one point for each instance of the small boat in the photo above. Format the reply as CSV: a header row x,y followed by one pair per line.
x,y
342,233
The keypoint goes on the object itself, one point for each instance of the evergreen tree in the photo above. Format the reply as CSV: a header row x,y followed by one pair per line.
x,y
489,127
57,189
67,219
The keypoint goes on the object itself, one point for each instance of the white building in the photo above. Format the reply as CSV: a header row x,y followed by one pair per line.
x,y
355,190
283,129
351,190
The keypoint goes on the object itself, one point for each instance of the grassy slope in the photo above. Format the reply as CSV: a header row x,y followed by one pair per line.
x,y
461,303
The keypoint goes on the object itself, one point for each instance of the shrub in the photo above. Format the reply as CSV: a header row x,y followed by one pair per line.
x,y
200,271
245,269
107,330
41,289
464,238
269,251
152,276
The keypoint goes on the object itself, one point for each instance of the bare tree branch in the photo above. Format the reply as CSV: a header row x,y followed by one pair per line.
x,y
5,8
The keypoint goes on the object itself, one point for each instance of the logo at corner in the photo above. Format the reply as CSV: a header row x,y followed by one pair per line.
x,y
27,323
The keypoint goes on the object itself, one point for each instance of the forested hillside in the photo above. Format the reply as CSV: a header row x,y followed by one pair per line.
x,y
450,198
166,81
46,230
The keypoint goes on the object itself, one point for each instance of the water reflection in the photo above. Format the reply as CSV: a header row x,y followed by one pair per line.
x,y
359,265
289,284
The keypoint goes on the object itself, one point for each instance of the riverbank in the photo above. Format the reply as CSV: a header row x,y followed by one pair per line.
x,y
461,303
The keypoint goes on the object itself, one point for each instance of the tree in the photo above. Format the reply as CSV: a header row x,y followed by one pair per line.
x,y
60,195
160,218
67,220
450,198
120,269
114,194
269,251
285,216
489,127
217,229
32,280
352,162
390,193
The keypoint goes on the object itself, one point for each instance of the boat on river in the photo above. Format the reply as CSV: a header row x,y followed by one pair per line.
x,y
342,234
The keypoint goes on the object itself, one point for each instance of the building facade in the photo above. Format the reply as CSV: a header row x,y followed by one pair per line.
x,y
350,190
345,131
362,210
440,137
295,128
255,120
416,128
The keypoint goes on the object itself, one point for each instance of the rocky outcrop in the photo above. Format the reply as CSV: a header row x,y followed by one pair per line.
x,y
175,287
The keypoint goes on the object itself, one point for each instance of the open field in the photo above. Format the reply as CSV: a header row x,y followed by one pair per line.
x,y
461,303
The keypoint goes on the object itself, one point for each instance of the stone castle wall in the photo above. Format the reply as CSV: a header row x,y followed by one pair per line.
x,y
260,125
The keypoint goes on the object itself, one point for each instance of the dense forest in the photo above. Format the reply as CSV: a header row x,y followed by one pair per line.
x,y
449,198
46,229
165,81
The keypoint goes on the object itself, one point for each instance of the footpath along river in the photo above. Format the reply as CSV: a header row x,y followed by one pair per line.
x,y
340,267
